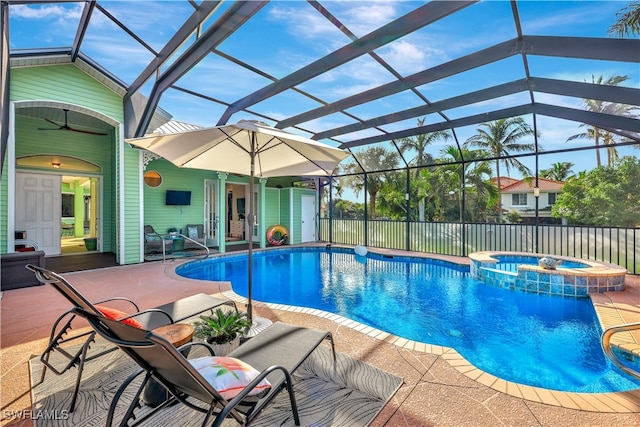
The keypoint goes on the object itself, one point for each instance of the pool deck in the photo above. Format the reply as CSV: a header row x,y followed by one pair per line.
x,y
440,387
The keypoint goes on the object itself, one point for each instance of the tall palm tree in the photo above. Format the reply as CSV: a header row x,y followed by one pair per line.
x,y
500,138
558,171
419,144
477,174
628,22
370,160
598,106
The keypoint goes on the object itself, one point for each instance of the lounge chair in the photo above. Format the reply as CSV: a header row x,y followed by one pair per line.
x,y
273,354
60,338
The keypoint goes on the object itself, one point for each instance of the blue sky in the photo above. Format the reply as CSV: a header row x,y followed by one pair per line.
x,y
286,35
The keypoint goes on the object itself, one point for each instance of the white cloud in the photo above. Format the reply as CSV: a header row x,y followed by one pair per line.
x,y
48,11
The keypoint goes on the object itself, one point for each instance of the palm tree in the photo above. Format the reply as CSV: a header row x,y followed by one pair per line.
x,y
500,138
419,143
628,22
607,108
477,174
558,171
370,160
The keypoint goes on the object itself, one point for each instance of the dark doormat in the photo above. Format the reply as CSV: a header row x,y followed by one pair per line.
x,y
68,263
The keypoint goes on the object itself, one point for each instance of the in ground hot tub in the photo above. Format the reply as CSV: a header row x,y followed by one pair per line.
x,y
520,271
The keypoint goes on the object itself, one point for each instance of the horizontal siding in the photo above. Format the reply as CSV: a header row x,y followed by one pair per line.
x,y
272,207
161,216
131,197
64,83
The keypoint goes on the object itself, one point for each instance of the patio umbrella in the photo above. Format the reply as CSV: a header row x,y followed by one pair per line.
x,y
246,148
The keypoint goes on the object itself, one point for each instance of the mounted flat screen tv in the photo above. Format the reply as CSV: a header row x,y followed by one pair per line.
x,y
178,198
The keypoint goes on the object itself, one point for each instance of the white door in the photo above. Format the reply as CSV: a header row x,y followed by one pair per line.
x,y
38,209
211,212
308,215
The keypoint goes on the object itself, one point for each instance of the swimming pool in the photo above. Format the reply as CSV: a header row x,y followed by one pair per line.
x,y
516,336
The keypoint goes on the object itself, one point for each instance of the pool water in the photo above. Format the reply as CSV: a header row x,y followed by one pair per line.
x,y
511,263
537,340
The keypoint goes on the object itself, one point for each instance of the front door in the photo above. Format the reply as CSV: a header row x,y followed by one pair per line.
x,y
38,201
308,215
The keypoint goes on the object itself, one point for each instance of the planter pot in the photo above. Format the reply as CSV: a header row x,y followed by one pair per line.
x,y
91,243
224,349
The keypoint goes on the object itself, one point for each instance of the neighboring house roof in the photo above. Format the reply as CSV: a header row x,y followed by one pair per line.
x,y
505,181
522,186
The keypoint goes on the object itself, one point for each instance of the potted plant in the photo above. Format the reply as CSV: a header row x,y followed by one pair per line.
x,y
172,231
222,330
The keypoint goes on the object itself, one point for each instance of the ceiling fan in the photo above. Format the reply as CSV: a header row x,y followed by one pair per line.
x,y
65,126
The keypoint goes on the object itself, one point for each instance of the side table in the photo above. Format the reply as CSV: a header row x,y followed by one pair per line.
x,y
177,334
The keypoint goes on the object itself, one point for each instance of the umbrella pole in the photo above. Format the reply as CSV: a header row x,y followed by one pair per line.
x,y
250,221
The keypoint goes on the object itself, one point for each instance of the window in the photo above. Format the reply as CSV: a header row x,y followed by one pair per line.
x,y
552,198
68,205
152,178
519,199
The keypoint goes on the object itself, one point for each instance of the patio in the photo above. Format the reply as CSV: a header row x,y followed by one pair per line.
x,y
439,388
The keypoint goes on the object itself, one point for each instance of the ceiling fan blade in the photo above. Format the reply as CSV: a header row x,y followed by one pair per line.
x,y
60,128
52,122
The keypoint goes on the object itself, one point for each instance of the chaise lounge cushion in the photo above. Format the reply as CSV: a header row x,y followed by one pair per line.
x,y
229,376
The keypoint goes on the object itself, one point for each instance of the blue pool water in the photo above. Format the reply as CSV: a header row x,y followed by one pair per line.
x,y
538,340
511,262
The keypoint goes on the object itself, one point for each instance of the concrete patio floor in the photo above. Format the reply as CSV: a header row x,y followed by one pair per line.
x,y
439,388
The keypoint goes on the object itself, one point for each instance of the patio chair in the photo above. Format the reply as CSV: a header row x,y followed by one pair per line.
x,y
60,339
153,241
274,354
195,232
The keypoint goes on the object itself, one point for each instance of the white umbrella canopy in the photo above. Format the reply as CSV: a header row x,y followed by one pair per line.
x,y
246,148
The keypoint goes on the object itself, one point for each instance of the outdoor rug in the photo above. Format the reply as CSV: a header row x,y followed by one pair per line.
x,y
351,395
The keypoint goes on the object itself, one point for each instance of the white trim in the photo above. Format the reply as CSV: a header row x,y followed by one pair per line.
x,y
48,103
11,180
120,195
290,227
141,169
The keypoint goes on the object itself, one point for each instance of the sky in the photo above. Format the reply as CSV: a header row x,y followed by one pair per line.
x,y
287,35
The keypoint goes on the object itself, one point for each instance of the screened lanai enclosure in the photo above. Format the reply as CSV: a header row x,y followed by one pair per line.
x,y
495,125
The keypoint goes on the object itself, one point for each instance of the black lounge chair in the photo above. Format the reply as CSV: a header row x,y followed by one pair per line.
x,y
275,353
60,338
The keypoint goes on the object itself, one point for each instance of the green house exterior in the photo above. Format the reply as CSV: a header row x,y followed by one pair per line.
x,y
123,203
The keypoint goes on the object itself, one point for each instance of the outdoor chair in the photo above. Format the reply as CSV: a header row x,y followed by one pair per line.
x,y
273,355
60,339
195,232
153,241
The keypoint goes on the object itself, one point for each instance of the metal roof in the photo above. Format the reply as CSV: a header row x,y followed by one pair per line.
x,y
203,40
